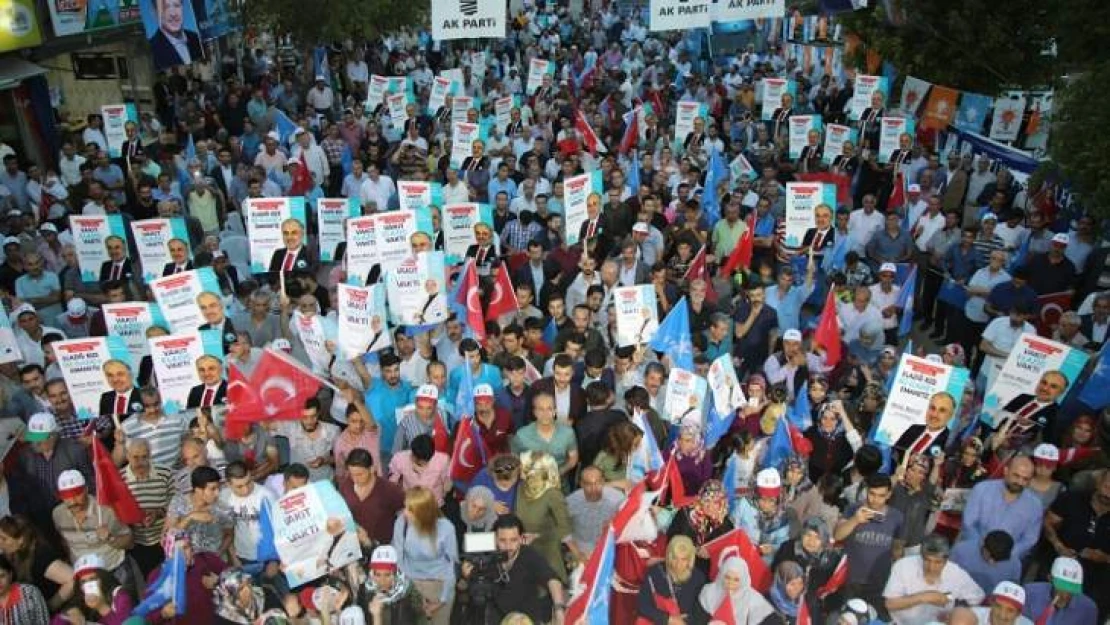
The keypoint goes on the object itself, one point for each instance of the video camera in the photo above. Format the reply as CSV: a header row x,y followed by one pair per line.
x,y
476,592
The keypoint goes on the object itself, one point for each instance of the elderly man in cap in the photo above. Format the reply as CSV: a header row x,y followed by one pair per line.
x,y
321,98
43,460
1051,272
29,334
792,365
76,320
1007,601
1060,601
91,528
425,418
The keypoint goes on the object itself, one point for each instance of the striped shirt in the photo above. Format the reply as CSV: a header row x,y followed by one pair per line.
x,y
409,428
153,494
164,436
984,247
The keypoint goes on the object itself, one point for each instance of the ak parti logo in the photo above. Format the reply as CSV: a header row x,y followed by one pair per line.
x,y
468,8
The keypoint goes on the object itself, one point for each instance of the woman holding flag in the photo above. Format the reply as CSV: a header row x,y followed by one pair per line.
x,y
731,599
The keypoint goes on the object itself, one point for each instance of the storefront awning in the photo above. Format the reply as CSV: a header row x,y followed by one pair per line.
x,y
14,70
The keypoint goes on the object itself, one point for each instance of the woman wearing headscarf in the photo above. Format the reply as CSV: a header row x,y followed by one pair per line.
x,y
543,509
958,474
799,494
705,519
788,591
20,603
695,463
238,601
834,440
748,417
812,550
672,588
762,516
476,513
731,598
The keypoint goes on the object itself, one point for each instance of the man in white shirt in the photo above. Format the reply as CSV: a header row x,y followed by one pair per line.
x,y
306,150
863,223
69,164
320,97
244,499
94,132
526,201
587,277
1012,231
884,296
921,587
377,190
854,315
1000,337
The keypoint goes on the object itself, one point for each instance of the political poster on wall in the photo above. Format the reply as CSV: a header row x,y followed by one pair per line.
x,y
266,225
418,196
741,10
804,130
163,245
186,366
362,320
101,244
685,396
314,532
331,216
173,33
468,19
891,130
801,199
915,383
179,298
576,190
679,14
115,118
95,370
458,228
130,321
416,290
836,135
9,351
773,90
362,248
864,86
1037,371
75,18
637,314
728,395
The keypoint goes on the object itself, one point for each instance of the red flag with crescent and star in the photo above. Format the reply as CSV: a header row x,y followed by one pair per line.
x,y
736,543
278,390
502,301
469,296
468,456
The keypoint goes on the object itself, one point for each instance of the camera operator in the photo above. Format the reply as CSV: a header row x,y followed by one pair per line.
x,y
522,580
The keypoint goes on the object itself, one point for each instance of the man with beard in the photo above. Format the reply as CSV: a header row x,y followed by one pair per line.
x,y
1005,504
1078,526
311,442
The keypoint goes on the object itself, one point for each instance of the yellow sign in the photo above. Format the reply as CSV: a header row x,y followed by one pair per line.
x,y
19,25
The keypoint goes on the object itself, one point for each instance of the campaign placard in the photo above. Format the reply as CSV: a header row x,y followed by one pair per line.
x,y
91,366
362,320
686,112
9,351
180,296
380,86
161,242
315,332
916,381
576,190
861,96
723,382
773,89
471,19
416,290
115,118
537,69
418,196
801,200
683,403
463,137
742,10
314,532
679,14
100,240
800,127
395,108
461,105
442,87
503,112
265,218
331,217
637,314
1031,372
836,135
362,248
458,228
393,231
130,321
180,360
740,168
891,130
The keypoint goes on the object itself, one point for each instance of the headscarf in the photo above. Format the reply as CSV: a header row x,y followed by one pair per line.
x,y
694,431
785,573
710,509
818,526
485,496
540,473
791,492
956,352
837,430
748,606
226,598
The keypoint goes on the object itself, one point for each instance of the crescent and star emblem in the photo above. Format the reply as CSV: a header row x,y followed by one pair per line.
x,y
285,385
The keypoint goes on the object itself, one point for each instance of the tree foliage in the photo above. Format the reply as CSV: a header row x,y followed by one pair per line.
x,y
1079,147
319,21
980,46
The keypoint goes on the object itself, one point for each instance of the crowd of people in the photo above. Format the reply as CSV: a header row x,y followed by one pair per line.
x,y
960,520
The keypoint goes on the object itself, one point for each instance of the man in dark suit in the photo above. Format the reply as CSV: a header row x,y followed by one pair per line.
x,y
132,148
212,390
212,309
179,255
570,399
171,44
631,269
592,235
1096,325
930,437
118,265
294,256
224,172
822,236
537,268
123,399
1024,416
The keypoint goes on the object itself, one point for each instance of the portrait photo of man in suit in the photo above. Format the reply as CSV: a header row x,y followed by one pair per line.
x,y
212,390
294,256
933,434
123,399
174,39
179,258
1025,415
212,309
118,265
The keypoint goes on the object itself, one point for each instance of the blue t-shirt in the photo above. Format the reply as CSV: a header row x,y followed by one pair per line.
x,y
868,547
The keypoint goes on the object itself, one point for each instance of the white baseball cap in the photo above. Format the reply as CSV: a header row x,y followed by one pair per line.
x,y
792,335
641,228
483,391
988,217
1067,575
384,558
273,134
282,344
914,188
1061,238
1010,594
428,392
768,483
21,309
1046,452
87,563
891,267
70,484
40,426
48,227
11,241
76,308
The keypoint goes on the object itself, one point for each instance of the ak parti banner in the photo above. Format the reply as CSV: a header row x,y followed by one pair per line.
x,y
941,108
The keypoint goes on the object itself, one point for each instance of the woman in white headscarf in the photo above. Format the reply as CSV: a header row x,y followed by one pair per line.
x,y
733,590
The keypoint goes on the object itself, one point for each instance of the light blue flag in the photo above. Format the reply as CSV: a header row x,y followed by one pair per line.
x,y
464,396
284,126
190,148
973,111
729,480
169,586
715,172
550,333
779,447
835,258
1020,255
1096,392
716,424
905,302
799,413
633,177
673,337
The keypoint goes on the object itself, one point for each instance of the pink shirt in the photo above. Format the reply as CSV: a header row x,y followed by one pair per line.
x,y
435,476
371,442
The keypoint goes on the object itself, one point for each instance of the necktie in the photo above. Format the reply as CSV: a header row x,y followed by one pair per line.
x,y
922,443
1027,410
818,239
116,267
288,264
121,404
481,255
206,401
592,229
177,269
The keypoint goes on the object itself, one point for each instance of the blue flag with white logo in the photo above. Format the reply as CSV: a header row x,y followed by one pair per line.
x,y
673,337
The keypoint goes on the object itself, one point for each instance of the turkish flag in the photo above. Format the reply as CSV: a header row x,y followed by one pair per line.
x,y
736,543
827,334
836,580
503,299
440,438
241,400
111,490
724,612
589,137
302,178
799,442
1050,307
699,271
741,255
469,296
897,199
283,386
469,455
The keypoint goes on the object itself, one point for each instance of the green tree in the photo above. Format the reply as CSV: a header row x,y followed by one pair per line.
x,y
334,20
973,45
1079,147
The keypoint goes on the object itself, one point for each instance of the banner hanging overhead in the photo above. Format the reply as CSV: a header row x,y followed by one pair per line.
x,y
467,19
737,10
680,14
